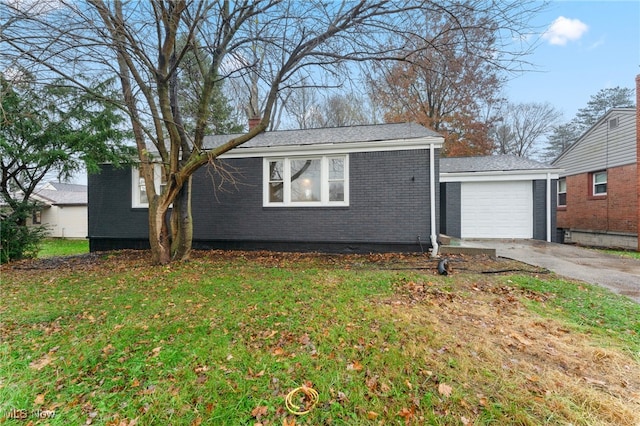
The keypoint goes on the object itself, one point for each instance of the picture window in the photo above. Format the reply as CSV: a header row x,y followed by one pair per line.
x,y
306,181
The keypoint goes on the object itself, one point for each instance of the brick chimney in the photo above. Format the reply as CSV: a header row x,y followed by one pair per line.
x,y
253,122
638,151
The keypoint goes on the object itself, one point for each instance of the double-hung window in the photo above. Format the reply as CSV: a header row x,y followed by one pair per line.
x,y
139,197
562,192
600,183
306,181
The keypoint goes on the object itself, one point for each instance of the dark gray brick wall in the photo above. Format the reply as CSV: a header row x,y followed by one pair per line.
x,y
109,206
452,208
540,209
388,204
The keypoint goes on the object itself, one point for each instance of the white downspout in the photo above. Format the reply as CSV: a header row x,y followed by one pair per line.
x,y
548,207
432,197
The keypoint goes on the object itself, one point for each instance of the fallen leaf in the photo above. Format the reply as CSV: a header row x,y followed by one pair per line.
x,y
197,421
406,414
304,339
521,339
594,381
259,411
39,399
464,420
156,351
289,421
444,389
201,369
41,363
355,366
372,415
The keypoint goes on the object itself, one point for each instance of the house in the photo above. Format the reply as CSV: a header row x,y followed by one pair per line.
x,y
63,209
501,196
598,190
351,189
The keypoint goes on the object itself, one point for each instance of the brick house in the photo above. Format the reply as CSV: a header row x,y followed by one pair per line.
x,y
348,189
598,189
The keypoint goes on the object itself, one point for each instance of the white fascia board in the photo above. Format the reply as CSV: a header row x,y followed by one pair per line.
x,y
334,148
494,176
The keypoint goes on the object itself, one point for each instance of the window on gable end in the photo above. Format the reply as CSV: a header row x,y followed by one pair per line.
x,y
562,192
599,180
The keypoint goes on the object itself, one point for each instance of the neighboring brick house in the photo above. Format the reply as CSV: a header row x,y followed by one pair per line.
x,y
598,189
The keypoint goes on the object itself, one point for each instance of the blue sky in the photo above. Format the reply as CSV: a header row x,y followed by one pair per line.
x,y
586,46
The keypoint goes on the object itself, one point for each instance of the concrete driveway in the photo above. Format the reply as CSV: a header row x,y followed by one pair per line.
x,y
619,274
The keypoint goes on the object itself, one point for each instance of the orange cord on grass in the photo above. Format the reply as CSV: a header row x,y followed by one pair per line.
x,y
311,393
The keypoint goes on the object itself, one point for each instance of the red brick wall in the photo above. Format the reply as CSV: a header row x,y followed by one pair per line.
x,y
617,211
638,154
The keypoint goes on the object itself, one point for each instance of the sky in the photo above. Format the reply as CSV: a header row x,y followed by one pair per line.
x,y
586,46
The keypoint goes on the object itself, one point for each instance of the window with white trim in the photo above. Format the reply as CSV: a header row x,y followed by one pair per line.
x,y
562,192
139,198
306,181
600,183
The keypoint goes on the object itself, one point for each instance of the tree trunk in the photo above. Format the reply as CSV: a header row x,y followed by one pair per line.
x,y
182,223
158,233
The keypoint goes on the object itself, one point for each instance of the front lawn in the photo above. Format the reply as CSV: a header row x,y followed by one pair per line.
x,y
51,247
224,338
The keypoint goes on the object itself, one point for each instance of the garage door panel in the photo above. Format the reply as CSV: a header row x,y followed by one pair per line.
x,y
497,209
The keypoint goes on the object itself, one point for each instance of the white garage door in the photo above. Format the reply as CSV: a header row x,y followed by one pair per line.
x,y
497,209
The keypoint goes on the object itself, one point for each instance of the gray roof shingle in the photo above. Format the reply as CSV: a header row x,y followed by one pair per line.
x,y
332,135
65,194
491,163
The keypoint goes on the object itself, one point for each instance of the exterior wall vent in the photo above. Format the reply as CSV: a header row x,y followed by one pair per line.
x,y
613,123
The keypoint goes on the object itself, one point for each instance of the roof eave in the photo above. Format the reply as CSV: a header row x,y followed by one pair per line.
x,y
336,148
530,174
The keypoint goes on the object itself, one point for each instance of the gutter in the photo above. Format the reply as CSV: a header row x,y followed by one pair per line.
x,y
432,198
548,207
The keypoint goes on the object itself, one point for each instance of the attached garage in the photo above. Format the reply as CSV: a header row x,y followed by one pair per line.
x,y
496,209
501,196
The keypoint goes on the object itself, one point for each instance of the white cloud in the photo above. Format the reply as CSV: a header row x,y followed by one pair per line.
x,y
564,30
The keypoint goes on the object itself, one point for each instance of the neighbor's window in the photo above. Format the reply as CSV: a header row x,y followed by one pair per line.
x,y
36,217
139,190
562,192
600,183
306,181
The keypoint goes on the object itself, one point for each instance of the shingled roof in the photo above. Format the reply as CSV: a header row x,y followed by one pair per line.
x,y
492,163
62,194
331,135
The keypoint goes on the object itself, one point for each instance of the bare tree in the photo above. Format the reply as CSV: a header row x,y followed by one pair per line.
x,y
451,78
270,43
522,127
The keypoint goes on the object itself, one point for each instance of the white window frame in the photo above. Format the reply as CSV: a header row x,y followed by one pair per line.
x,y
560,191
594,184
324,182
135,185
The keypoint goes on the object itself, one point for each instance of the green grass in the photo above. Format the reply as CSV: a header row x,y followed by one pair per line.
x,y
623,253
222,339
52,247
587,308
